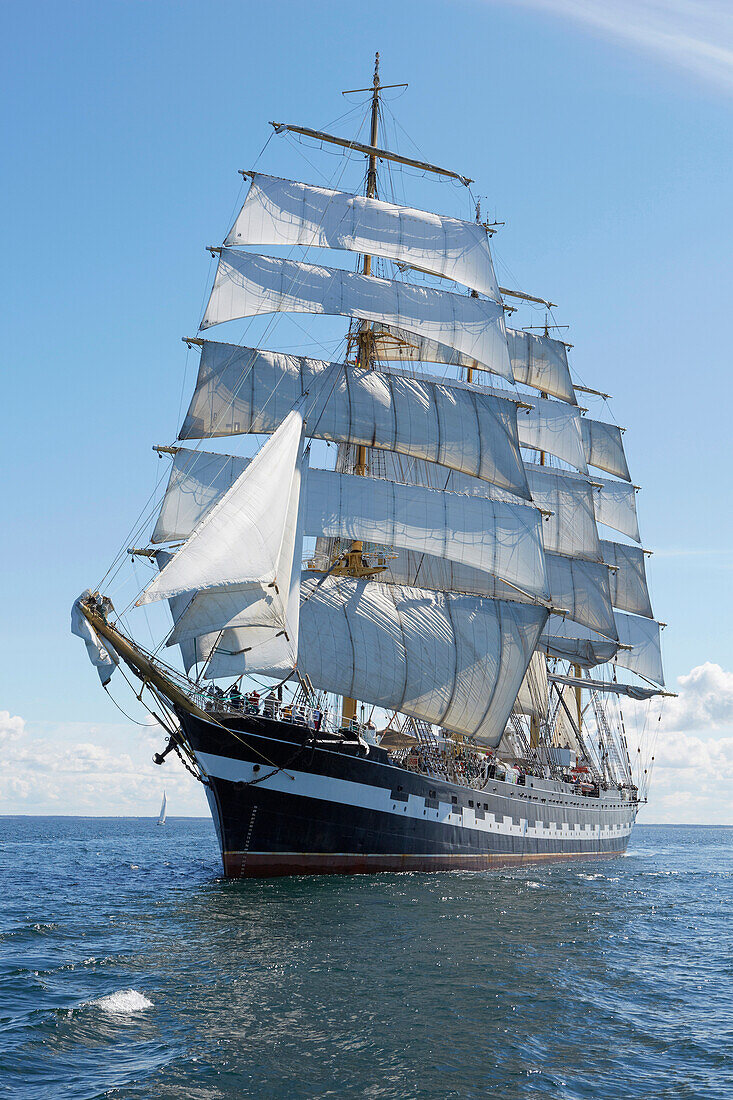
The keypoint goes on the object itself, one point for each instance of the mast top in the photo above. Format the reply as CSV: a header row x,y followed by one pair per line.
x,y
376,85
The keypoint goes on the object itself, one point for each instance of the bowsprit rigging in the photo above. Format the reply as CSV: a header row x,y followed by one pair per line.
x,y
407,657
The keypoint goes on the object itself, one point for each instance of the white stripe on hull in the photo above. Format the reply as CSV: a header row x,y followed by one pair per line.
x,y
362,795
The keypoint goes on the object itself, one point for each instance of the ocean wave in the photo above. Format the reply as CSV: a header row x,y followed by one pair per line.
x,y
122,1003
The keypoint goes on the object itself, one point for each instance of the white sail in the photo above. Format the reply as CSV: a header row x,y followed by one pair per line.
x,y
101,654
532,696
453,660
543,425
629,591
284,212
541,362
190,649
397,345
495,536
247,285
163,810
240,558
645,656
615,505
413,569
581,588
571,528
484,534
604,447
246,390
537,361
555,427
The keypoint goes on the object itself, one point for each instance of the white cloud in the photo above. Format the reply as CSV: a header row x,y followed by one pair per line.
x,y
98,770
11,728
50,773
693,36
692,771
704,702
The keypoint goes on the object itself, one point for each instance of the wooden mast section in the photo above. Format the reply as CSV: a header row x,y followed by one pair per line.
x,y
355,565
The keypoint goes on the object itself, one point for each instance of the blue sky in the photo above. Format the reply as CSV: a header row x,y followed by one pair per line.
x,y
599,132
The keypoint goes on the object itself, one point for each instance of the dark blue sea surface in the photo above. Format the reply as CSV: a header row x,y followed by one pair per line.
x,y
130,969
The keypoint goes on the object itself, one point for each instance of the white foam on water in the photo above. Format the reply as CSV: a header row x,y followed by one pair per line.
x,y
122,1003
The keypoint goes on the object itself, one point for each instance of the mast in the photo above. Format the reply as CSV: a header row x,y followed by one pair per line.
x,y
355,566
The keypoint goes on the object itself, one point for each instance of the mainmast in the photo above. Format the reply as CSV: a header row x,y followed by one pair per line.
x,y
355,566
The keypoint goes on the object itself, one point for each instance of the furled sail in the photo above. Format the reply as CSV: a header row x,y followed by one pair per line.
x,y
247,390
604,447
562,638
247,285
537,361
284,212
100,652
565,733
454,660
572,642
606,687
495,536
629,591
541,362
241,558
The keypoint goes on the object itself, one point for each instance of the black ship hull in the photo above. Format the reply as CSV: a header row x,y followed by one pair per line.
x,y
285,804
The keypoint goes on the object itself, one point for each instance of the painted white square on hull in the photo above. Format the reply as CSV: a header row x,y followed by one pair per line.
x,y
365,796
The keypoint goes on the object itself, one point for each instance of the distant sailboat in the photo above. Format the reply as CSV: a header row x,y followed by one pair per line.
x,y
163,808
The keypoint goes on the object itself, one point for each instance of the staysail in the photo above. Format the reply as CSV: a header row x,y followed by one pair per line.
x,y
241,558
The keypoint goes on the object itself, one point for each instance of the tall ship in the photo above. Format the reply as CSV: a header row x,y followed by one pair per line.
x,y
410,627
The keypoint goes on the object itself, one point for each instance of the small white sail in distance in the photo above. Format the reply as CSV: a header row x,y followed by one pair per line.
x,y
163,810
242,559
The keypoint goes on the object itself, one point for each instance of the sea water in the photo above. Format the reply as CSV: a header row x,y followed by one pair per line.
x,y
129,968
